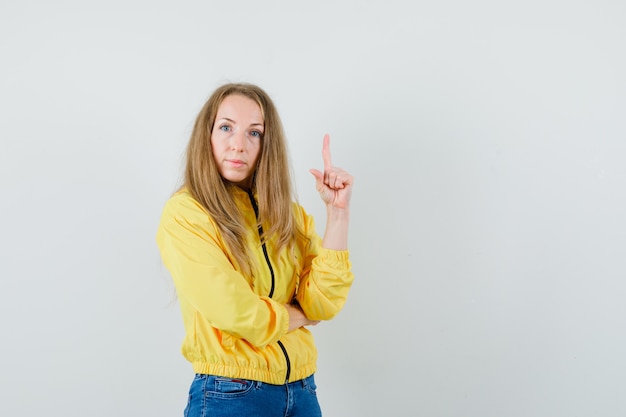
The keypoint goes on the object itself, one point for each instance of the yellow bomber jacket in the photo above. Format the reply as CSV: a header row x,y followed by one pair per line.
x,y
236,325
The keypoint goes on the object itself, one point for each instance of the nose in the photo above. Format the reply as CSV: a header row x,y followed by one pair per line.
x,y
238,142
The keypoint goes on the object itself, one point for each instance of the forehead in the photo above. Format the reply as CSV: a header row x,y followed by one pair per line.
x,y
240,108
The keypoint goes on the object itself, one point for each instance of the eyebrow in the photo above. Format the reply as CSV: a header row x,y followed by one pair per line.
x,y
232,121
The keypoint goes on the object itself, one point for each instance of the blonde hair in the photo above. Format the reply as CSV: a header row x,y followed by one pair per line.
x,y
271,180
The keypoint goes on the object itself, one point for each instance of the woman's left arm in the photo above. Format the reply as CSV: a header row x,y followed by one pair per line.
x,y
325,286
335,188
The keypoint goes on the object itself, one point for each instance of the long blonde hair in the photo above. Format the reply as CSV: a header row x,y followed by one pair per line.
x,y
271,181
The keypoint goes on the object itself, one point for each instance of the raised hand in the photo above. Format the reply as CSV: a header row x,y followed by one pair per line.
x,y
334,184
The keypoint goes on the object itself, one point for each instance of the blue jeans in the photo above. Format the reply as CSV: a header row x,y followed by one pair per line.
x,y
215,396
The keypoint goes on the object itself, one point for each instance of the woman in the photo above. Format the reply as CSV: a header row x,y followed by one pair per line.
x,y
250,271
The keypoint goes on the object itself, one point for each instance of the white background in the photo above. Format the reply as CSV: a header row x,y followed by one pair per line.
x,y
488,142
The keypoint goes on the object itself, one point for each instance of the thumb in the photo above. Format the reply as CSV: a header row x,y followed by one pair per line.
x,y
317,174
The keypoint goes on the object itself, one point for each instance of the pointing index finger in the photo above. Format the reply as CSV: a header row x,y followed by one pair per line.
x,y
326,153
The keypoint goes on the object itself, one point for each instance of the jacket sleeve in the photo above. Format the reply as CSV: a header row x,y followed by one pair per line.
x,y
205,278
326,278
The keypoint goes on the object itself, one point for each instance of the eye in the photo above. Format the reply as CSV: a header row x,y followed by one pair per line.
x,y
256,134
225,128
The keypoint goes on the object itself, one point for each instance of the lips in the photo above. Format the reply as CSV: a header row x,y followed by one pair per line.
x,y
236,163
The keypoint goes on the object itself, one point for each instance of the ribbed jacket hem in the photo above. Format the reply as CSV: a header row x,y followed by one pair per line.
x,y
255,374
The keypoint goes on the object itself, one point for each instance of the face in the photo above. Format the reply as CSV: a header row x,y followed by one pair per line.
x,y
236,139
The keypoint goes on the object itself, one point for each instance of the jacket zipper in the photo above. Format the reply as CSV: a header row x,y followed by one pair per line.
x,y
269,265
282,347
